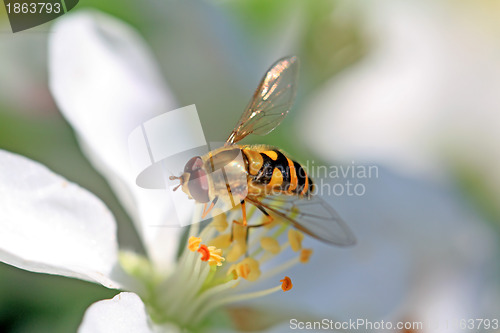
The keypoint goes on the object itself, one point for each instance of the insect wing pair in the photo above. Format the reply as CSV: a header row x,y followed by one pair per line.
x,y
269,105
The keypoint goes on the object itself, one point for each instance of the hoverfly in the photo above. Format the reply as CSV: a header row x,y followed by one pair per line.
x,y
274,183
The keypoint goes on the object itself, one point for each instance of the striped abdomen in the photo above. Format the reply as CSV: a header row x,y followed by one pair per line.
x,y
272,171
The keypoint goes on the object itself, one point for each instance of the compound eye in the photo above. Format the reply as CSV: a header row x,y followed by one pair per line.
x,y
193,164
198,186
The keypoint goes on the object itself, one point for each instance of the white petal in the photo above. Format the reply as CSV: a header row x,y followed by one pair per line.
x,y
50,225
123,313
106,84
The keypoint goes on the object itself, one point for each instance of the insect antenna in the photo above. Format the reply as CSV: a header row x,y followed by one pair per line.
x,y
174,178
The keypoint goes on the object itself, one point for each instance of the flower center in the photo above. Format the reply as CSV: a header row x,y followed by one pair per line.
x,y
222,261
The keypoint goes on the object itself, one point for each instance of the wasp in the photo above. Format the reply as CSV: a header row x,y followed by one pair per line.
x,y
272,181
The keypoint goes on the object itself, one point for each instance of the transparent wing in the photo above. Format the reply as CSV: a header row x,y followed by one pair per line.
x,y
313,216
271,101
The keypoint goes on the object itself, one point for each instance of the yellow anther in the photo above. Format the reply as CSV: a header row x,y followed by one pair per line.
x,y
220,220
211,254
222,241
305,254
194,243
248,269
216,257
295,238
244,270
236,252
232,272
270,244
286,283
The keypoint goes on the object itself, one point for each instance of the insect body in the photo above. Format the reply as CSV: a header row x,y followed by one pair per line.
x,y
271,172
261,175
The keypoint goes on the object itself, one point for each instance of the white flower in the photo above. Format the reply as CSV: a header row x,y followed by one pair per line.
x,y
106,84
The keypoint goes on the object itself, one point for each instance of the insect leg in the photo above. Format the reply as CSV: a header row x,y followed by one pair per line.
x,y
244,222
269,217
205,210
269,220
244,212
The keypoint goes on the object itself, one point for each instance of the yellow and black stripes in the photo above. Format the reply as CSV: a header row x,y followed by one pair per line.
x,y
273,170
304,182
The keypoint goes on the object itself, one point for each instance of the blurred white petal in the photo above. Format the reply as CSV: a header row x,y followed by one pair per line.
x,y
106,84
50,225
123,313
425,94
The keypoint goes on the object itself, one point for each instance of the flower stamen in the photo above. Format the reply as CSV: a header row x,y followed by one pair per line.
x,y
194,243
219,221
295,238
211,254
248,269
270,244
216,257
205,252
286,284
239,297
199,288
305,254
